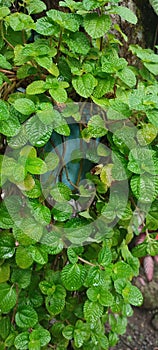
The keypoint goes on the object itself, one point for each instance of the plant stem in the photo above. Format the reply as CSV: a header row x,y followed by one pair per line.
x,y
3,37
16,305
58,48
101,43
85,261
6,71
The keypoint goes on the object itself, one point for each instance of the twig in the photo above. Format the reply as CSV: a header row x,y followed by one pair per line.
x,y
10,89
88,263
58,48
3,37
15,308
6,71
85,261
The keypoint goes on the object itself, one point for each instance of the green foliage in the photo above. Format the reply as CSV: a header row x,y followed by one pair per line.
x,y
154,4
66,263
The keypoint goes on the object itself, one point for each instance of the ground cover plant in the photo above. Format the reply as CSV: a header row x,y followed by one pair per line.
x,y
78,173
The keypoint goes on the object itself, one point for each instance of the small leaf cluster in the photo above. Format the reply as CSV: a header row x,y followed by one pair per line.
x,y
71,109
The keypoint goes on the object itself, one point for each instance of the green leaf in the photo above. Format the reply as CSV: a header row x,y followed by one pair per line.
x,y
5,326
28,151
24,106
36,166
31,228
152,217
104,86
72,255
94,277
37,132
55,119
119,284
21,237
111,63
127,76
10,127
119,170
146,55
96,127
142,160
4,11
19,21
84,85
26,317
140,250
90,4
4,111
146,134
26,70
60,192
45,26
27,184
100,294
52,242
122,270
73,276
126,14
92,311
7,244
3,61
80,336
20,139
40,212
38,254
40,334
59,94
35,190
144,187
7,297
46,287
81,333
49,116
23,257
9,167
35,88
117,204
105,256
153,116
21,341
68,21
154,4
35,6
34,345
63,128
78,43
62,211
36,49
124,139
132,295
96,26
21,277
152,67
51,161
4,272
118,110
77,230
35,296
55,302
118,323
68,332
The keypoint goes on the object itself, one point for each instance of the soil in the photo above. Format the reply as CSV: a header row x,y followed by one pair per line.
x,y
142,329
140,334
